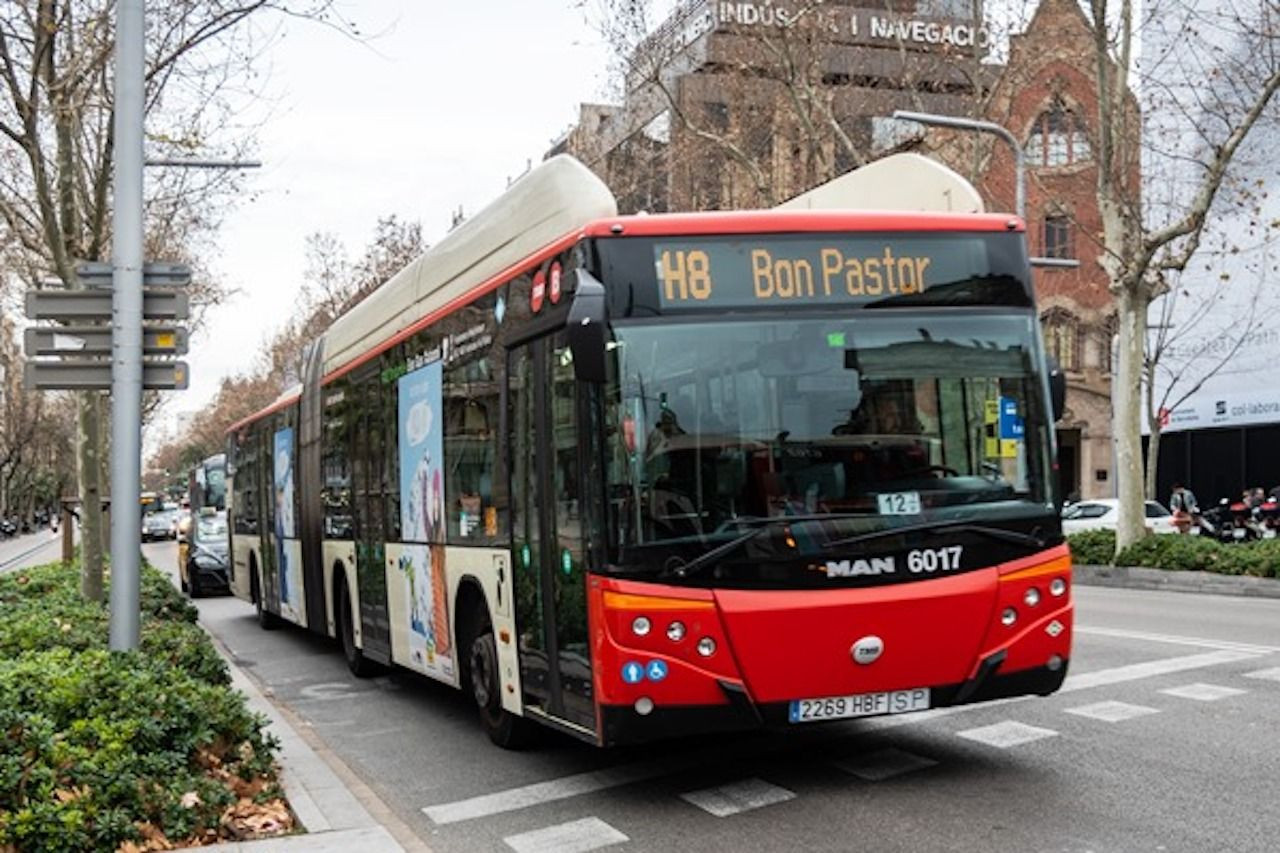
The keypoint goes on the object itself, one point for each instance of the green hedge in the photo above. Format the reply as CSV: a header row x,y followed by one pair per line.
x,y
99,748
1180,553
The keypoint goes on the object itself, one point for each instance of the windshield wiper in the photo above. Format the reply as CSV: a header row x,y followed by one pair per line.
x,y
938,528
758,524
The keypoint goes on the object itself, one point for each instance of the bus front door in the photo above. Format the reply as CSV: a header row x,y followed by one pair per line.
x,y
547,532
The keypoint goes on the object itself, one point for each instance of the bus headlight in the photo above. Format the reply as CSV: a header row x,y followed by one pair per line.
x,y
675,632
640,626
706,647
1057,587
1031,597
1008,617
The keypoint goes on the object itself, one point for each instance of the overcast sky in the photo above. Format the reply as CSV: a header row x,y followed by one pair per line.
x,y
436,113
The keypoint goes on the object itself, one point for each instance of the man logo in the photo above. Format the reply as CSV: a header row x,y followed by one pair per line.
x,y
867,650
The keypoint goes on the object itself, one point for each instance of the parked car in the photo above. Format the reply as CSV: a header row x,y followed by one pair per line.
x,y
207,563
1104,513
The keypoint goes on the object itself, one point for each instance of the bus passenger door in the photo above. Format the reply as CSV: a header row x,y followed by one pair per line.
x,y
368,457
547,532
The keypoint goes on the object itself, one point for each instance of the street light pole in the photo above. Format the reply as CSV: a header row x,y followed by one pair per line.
x,y
1019,156
126,334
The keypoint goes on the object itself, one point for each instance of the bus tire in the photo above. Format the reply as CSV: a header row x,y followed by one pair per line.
x,y
360,666
267,620
480,677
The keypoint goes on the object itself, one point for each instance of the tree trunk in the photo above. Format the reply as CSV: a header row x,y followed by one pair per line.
x,y
1153,457
90,423
1126,395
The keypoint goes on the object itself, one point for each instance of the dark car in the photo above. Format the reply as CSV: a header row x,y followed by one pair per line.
x,y
207,567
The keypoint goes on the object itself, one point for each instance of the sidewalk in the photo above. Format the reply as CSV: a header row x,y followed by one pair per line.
x,y
326,797
1169,580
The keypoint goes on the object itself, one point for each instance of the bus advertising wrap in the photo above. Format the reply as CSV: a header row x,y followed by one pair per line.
x,y
422,518
286,529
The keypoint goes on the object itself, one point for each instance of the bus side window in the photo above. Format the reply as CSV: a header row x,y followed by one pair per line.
x,y
470,451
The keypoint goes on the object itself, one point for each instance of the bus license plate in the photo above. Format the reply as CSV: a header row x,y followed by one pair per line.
x,y
859,705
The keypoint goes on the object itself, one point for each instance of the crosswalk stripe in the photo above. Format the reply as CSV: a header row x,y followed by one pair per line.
x,y
1112,712
1272,674
1202,692
738,797
884,764
1007,734
578,836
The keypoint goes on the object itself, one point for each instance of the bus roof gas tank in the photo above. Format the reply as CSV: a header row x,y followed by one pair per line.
x,y
896,182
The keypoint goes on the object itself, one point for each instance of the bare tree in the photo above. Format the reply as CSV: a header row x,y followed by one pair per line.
x,y
56,149
780,104
1210,80
1193,337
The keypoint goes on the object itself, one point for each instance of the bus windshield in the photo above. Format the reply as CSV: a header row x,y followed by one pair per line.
x,y
858,422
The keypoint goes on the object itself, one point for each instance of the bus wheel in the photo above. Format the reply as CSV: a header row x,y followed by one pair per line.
x,y
360,666
267,620
480,674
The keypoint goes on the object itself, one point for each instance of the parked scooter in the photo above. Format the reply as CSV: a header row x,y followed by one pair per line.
x,y
1268,513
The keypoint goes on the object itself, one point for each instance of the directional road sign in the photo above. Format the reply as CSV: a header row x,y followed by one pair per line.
x,y
85,375
96,340
70,305
156,274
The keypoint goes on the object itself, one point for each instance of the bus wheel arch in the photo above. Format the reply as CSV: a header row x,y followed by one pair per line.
x,y
344,615
478,667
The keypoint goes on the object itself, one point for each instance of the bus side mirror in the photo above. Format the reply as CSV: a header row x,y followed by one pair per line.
x,y
1057,389
587,328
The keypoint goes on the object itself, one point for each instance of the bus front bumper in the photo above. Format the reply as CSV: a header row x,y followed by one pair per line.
x,y
624,724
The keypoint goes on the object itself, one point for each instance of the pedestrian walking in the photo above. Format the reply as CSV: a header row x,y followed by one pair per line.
x,y
1182,503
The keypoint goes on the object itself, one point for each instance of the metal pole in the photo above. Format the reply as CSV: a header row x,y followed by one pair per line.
x,y
1019,156
126,361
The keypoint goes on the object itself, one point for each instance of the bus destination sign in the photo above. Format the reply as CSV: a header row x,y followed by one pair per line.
x,y
768,271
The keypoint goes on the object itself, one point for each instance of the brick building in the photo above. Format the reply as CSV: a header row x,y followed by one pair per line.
x,y
745,104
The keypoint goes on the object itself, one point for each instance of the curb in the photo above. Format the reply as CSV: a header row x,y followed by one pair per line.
x,y
1170,580
321,795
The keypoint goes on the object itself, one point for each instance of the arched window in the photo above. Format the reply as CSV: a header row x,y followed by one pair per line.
x,y
1062,337
1058,138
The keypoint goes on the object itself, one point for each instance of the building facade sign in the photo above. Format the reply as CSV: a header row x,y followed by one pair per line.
x,y
869,27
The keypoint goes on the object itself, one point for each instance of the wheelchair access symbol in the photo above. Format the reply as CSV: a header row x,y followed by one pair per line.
x,y
657,670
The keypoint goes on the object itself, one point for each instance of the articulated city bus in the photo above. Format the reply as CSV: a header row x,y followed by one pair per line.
x,y
639,476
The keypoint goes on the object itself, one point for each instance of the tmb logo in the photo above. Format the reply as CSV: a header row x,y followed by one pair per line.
x,y
867,650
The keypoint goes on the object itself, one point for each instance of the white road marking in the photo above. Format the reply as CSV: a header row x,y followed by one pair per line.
x,y
566,787
590,833
884,764
1135,671
1007,734
1177,640
1272,674
554,789
738,797
1202,692
1112,712
1082,681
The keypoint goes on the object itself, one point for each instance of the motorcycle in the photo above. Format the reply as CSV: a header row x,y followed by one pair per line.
x,y
1268,513
1218,522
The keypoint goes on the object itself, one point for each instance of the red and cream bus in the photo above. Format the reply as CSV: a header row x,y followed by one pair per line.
x,y
638,476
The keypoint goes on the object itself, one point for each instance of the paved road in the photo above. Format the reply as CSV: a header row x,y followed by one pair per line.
x,y
1164,738
31,549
